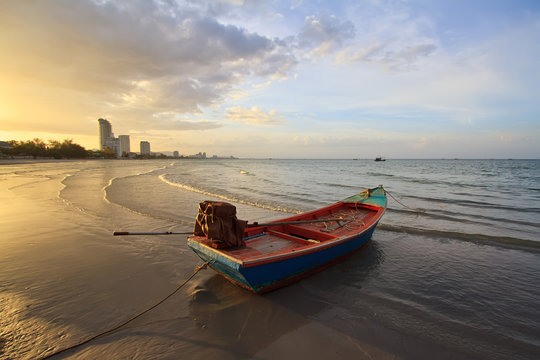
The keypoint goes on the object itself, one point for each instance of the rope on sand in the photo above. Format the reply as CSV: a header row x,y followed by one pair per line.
x,y
197,269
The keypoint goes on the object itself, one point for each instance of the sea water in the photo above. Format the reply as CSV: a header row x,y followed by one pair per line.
x,y
454,263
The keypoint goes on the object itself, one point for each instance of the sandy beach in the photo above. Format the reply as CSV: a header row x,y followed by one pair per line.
x,y
65,278
69,279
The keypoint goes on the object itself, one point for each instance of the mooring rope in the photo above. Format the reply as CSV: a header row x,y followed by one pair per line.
x,y
197,269
399,202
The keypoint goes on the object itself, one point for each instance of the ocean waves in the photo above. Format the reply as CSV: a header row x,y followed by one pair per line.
x,y
483,239
492,212
229,198
468,200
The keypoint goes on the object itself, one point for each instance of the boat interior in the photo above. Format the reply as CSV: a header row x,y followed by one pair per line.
x,y
305,230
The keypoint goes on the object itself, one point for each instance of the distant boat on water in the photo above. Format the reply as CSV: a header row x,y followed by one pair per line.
x,y
380,158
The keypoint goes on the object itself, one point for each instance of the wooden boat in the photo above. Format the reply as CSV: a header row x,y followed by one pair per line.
x,y
286,250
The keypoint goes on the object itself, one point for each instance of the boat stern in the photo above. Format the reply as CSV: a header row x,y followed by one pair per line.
x,y
222,263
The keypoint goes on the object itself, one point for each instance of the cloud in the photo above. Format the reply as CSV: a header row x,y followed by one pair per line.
x,y
412,53
167,124
365,54
172,66
392,35
146,55
386,55
254,116
183,125
324,34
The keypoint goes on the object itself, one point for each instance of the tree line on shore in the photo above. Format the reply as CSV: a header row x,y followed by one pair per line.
x,y
52,149
66,149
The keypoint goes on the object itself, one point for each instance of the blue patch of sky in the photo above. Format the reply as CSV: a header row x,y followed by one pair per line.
x,y
464,21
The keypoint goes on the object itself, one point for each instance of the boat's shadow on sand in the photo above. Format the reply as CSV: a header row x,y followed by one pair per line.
x,y
247,323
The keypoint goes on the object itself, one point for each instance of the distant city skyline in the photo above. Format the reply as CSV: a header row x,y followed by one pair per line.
x,y
280,79
121,144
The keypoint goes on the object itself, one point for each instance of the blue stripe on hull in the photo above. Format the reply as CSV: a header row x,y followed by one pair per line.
x,y
270,275
218,262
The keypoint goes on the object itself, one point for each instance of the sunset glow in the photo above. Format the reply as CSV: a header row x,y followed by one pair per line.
x,y
350,78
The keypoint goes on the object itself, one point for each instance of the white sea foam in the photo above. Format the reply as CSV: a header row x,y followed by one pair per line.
x,y
227,198
104,189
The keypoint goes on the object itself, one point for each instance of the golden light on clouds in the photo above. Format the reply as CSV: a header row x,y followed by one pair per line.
x,y
254,116
193,71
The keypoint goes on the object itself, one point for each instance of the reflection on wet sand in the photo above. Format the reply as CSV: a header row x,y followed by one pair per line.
x,y
245,324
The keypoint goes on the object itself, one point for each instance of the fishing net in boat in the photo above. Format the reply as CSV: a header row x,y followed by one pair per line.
x,y
217,221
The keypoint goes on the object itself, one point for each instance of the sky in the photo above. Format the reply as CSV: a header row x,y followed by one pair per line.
x,y
278,79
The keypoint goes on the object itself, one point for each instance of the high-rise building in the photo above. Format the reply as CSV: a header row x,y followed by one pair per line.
x,y
105,134
123,147
145,148
119,145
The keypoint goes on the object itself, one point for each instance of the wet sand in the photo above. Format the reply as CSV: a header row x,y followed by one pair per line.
x,y
65,278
